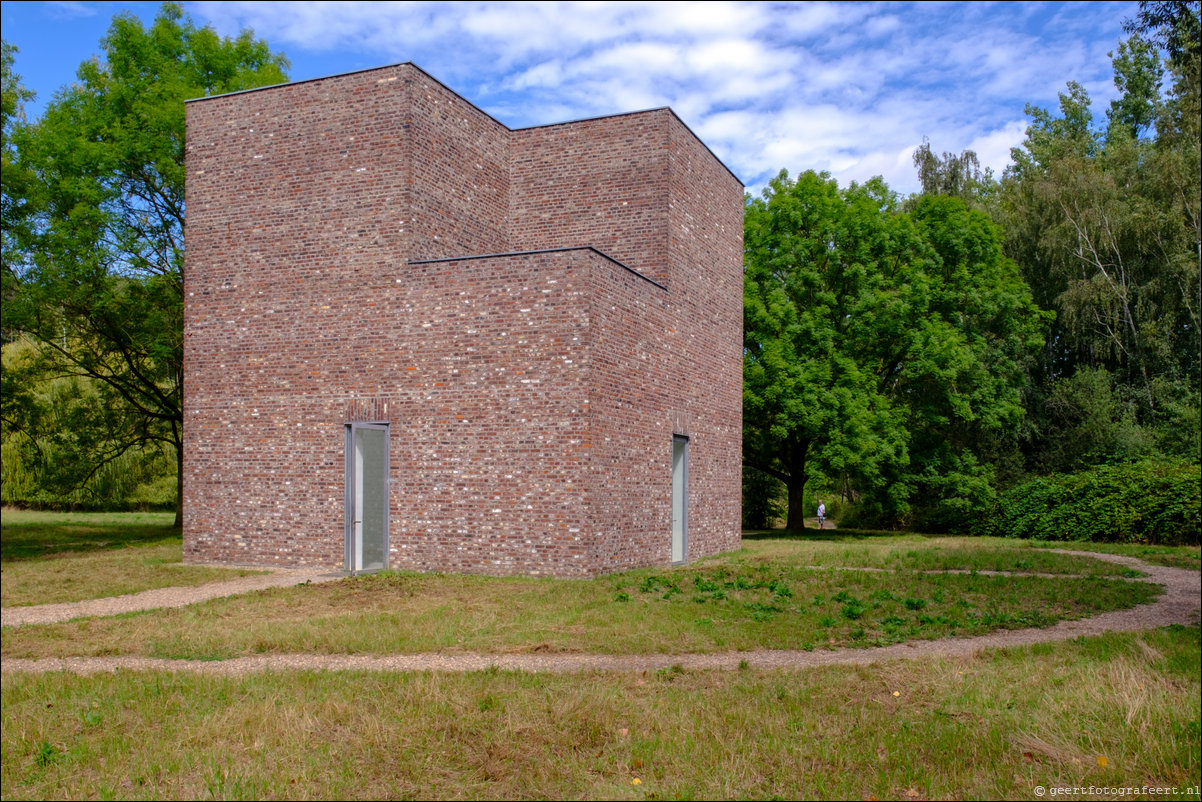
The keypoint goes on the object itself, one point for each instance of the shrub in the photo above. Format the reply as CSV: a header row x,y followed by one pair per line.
x,y
1140,502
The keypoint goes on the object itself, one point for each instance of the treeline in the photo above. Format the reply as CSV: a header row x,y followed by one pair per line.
x,y
926,362
946,362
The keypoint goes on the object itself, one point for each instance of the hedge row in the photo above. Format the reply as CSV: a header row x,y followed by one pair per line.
x,y
1140,502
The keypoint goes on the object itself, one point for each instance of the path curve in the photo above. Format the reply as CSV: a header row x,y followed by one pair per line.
x,y
1181,603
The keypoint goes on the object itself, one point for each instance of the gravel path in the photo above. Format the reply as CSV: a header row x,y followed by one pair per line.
x,y
1181,603
163,597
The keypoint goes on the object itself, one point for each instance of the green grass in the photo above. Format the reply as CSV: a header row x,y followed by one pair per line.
x,y
29,535
765,596
52,557
850,548
992,726
1189,557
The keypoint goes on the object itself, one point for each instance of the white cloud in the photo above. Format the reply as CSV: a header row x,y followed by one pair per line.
x,y
847,87
993,147
64,9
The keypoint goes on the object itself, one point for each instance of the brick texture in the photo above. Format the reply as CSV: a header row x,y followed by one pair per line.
x,y
534,313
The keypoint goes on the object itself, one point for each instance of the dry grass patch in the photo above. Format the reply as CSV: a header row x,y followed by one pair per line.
x,y
991,726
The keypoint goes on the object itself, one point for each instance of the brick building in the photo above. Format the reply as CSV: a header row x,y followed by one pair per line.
x,y
418,339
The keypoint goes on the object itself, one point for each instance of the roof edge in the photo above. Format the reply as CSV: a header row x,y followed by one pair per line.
x,y
477,108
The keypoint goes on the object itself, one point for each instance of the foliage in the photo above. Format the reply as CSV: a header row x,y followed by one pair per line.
x,y
1106,221
97,286
1176,25
817,262
763,499
883,349
958,176
48,422
13,178
1142,502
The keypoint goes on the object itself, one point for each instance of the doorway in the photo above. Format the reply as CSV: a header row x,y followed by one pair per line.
x,y
680,498
366,497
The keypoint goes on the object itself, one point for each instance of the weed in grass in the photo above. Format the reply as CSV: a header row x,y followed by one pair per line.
x,y
669,674
853,610
48,753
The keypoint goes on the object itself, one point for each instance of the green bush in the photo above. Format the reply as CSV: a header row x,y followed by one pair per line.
x,y
1140,502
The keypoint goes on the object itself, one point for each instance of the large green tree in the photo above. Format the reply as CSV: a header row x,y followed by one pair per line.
x,y
883,349
1106,221
97,287
14,179
816,298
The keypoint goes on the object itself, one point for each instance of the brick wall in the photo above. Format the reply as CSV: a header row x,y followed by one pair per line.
x,y
601,183
531,397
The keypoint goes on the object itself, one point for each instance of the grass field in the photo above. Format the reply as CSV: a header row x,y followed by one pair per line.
x,y
993,726
790,593
51,557
1112,711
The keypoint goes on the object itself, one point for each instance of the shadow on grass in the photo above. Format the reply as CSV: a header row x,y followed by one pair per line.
x,y
23,537
831,535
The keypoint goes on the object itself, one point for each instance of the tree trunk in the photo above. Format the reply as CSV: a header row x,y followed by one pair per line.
x,y
179,486
796,483
797,486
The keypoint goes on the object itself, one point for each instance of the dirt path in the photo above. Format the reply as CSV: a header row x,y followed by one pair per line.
x,y
162,597
1181,603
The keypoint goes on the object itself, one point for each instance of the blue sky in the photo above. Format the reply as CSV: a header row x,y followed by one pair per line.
x,y
850,88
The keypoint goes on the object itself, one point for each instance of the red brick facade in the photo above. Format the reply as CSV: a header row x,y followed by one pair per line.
x,y
534,313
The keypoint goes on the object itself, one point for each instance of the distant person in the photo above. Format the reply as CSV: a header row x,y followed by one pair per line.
x,y
821,514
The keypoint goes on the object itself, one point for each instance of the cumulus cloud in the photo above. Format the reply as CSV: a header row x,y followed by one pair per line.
x,y
847,87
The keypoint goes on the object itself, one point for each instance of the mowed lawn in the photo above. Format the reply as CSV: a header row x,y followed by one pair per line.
x,y
1116,710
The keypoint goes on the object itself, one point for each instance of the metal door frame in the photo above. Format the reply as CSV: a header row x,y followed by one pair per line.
x,y
349,492
684,506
